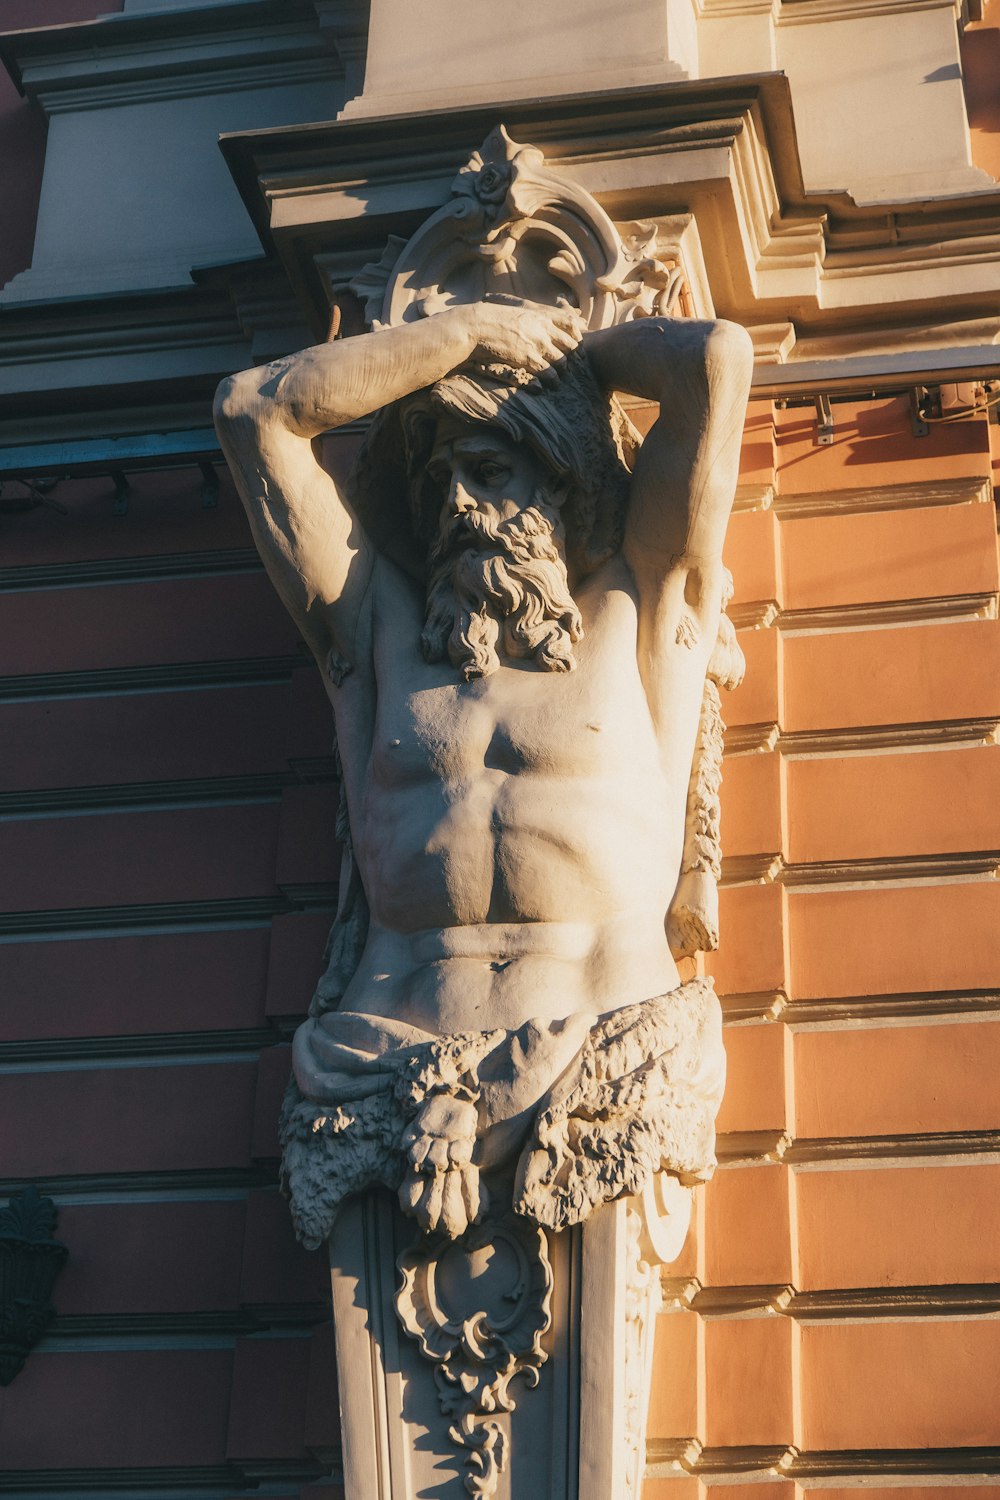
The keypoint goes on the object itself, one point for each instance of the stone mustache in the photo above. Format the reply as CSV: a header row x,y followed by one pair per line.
x,y
517,605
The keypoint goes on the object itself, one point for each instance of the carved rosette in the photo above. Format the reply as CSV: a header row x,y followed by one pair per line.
x,y
478,1307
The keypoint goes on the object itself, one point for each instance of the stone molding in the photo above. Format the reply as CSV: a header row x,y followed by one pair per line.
x,y
176,54
721,151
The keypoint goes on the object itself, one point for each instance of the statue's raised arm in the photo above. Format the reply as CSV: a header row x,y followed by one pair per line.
x,y
683,483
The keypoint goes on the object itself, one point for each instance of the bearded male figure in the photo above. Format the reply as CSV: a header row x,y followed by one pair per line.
x,y
514,605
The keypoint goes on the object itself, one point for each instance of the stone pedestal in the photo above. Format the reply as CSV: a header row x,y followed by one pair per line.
x,y
512,1362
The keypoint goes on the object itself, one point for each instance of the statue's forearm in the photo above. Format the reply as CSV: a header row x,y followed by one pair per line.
x,y
668,360
331,384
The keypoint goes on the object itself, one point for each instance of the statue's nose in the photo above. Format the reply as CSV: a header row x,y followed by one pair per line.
x,y
461,501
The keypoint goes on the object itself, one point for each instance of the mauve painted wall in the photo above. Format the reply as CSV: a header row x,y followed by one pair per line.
x,y
22,130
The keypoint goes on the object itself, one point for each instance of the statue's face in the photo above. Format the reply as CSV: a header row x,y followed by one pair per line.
x,y
479,470
497,569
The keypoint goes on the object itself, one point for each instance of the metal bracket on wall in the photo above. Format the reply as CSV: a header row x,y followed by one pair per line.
x,y
824,421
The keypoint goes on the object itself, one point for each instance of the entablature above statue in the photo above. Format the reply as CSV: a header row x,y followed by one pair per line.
x,y
715,161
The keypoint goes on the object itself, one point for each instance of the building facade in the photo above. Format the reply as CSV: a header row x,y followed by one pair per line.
x,y
825,172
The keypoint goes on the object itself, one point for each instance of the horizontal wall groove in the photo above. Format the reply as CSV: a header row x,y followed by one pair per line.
x,y
152,1186
943,734
213,1331
110,681
147,796
836,1304
234,911
666,1457
149,1483
237,1047
100,1049
65,575
186,1324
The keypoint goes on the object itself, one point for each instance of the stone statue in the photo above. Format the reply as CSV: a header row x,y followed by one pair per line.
x,y
517,607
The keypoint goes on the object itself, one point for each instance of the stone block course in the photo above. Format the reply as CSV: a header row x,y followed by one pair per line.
x,y
920,937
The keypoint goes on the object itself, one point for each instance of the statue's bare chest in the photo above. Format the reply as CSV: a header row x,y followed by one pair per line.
x,y
430,724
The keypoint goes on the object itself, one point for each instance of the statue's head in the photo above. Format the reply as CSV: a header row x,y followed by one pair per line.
x,y
512,488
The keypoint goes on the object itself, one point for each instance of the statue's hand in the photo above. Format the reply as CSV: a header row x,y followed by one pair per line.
x,y
441,1188
525,338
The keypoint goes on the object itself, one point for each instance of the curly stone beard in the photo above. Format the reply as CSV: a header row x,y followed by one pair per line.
x,y
500,582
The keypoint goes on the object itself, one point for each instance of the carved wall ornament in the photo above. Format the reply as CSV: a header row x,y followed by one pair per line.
x,y
478,1308
30,1260
643,1299
518,229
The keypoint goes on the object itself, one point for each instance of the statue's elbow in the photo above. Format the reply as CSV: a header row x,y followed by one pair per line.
x,y
729,351
234,402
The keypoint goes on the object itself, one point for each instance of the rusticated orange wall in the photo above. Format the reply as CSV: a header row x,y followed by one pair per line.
x,y
832,1320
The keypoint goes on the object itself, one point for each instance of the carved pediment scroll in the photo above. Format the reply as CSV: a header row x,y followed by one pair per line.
x,y
518,229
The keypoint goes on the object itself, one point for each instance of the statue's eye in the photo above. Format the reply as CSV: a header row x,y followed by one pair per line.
x,y
490,473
